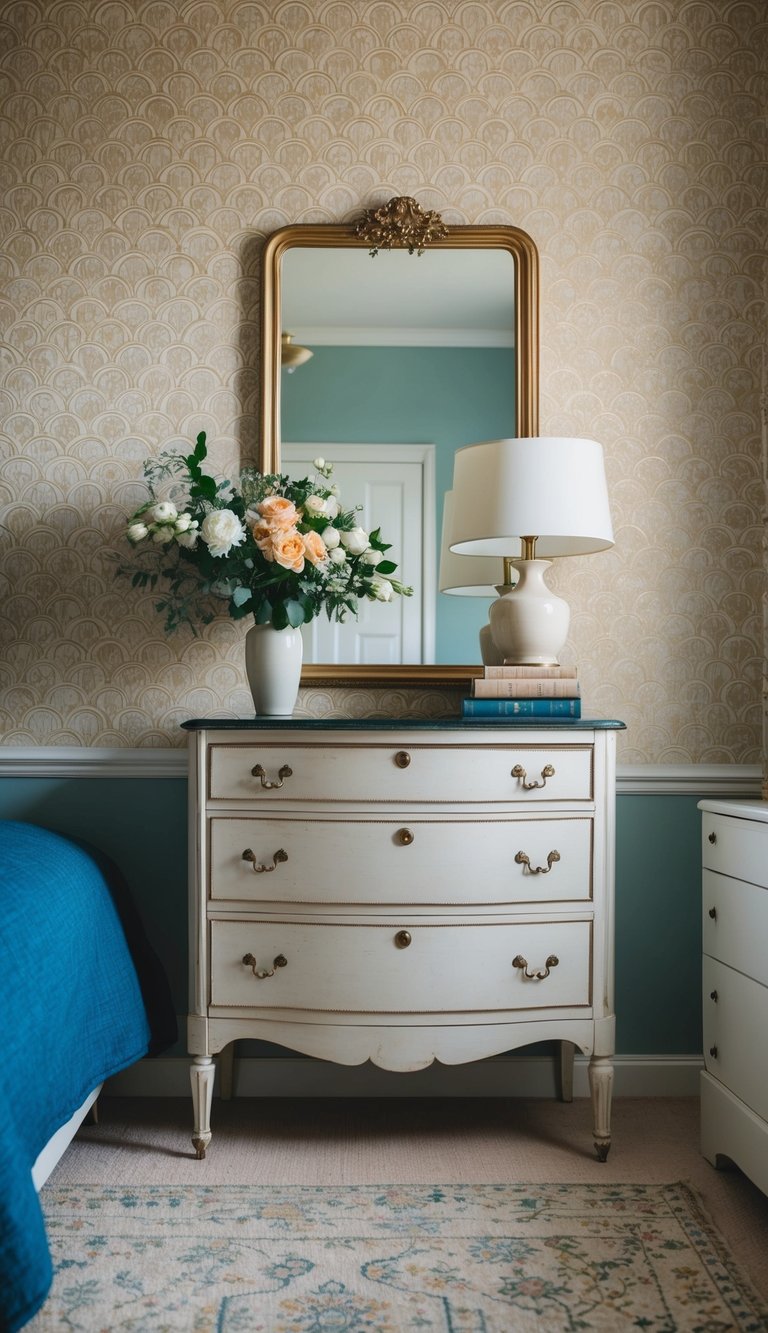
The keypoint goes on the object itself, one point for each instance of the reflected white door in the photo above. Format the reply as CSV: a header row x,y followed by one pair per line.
x,y
394,483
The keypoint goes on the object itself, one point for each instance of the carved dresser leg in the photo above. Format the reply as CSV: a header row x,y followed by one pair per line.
x,y
601,1087
202,1075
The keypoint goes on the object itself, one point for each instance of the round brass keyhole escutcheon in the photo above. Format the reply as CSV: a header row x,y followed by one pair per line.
x,y
405,837
403,939
402,759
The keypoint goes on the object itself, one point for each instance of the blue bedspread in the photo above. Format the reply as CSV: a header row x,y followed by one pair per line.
x,y
81,997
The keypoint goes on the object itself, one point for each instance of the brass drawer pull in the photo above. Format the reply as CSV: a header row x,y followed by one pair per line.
x,y
713,995
713,1052
519,772
713,837
403,939
261,973
522,963
257,869
402,759
404,836
523,860
713,913
284,772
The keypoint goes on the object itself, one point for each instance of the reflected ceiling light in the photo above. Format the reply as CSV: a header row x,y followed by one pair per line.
x,y
292,354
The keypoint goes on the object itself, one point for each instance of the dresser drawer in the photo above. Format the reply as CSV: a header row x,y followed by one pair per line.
x,y
403,860
361,969
735,924
735,1024
737,847
283,771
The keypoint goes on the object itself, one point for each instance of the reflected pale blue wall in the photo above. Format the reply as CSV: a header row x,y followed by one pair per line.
x,y
446,396
142,825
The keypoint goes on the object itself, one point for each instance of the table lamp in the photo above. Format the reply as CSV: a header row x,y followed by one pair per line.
x,y
530,500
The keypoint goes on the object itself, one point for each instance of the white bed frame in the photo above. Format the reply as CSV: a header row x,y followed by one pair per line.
x,y
60,1141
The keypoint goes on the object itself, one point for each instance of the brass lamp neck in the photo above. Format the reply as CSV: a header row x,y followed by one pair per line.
x,y
529,548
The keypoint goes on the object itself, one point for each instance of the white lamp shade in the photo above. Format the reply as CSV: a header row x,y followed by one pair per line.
x,y
466,575
546,487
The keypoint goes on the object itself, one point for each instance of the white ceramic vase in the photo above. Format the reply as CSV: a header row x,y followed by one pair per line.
x,y
530,623
273,666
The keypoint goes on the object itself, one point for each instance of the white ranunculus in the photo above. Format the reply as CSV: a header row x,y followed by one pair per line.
x,y
314,504
137,532
337,556
330,536
162,512
372,557
163,534
356,541
188,538
183,522
319,463
381,588
221,531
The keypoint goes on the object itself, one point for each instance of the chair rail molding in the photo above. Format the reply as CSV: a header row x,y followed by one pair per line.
x,y
75,761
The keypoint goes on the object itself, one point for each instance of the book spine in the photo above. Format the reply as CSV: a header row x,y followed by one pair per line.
x,y
526,689
528,672
521,708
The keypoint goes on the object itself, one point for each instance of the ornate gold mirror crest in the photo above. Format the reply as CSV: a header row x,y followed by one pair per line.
x,y
399,224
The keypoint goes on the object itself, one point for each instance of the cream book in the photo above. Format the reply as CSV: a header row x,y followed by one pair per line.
x,y
527,687
510,672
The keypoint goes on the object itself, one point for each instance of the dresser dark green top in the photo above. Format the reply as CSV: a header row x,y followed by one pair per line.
x,y
403,724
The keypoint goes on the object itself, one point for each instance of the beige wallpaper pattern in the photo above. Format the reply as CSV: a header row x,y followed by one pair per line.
x,y
147,149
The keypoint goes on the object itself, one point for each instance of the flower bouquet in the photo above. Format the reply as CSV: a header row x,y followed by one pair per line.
x,y
273,548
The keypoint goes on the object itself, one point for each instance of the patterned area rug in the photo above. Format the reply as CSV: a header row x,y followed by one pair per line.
x,y
366,1259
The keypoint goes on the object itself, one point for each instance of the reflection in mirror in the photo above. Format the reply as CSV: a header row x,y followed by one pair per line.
x,y
436,350
405,348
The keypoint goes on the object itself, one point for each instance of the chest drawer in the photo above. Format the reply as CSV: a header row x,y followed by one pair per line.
x,y
737,847
735,1024
360,968
735,924
384,861
283,771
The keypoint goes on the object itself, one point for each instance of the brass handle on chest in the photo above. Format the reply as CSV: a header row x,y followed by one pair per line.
x,y
712,838
402,759
267,783
519,772
257,869
523,859
404,836
522,963
403,939
262,973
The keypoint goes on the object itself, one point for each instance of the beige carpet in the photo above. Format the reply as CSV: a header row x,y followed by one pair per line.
x,y
419,1141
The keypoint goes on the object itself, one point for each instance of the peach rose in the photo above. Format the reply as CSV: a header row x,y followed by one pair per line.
x,y
314,548
278,512
262,535
288,550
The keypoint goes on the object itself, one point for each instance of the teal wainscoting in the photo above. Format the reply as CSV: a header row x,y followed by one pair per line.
x,y
142,825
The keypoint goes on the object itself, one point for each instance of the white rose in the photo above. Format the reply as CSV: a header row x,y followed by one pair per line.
x,y
221,531
137,532
162,512
319,463
163,535
330,536
183,522
381,588
356,541
372,557
188,538
332,506
337,556
314,504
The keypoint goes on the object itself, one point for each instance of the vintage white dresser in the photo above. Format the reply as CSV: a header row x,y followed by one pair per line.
x,y
734,1084
401,892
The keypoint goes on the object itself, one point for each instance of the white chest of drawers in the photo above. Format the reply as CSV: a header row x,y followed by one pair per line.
x,y
401,892
734,1084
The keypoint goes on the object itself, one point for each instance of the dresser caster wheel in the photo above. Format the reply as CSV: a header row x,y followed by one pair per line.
x,y
199,1146
602,1150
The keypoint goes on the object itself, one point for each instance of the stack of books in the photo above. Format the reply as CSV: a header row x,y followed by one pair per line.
x,y
524,691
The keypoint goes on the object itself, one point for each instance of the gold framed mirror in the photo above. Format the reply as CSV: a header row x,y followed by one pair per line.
x,y
451,287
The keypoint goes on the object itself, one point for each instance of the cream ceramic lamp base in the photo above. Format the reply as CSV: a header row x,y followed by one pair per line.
x,y
530,623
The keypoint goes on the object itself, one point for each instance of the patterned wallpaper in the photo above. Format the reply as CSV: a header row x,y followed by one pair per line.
x,y
148,148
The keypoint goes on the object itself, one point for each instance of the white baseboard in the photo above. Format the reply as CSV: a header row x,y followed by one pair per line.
x,y
504,1076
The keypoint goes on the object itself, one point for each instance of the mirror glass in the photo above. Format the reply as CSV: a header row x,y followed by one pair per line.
x,y
412,357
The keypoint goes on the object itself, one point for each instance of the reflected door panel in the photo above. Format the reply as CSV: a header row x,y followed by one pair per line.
x,y
395,495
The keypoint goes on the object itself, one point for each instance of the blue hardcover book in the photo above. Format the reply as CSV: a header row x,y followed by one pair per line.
x,y
521,707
